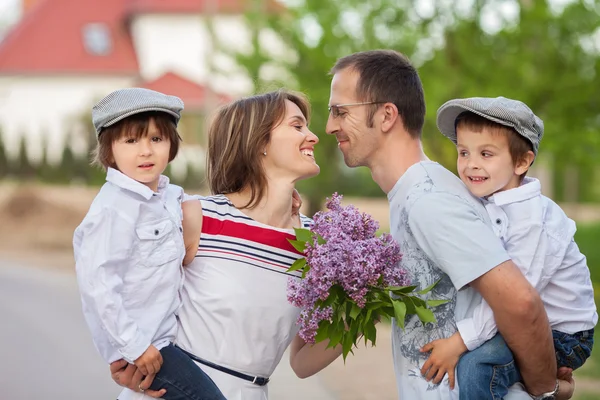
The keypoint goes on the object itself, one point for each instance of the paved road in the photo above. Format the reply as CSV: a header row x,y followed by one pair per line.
x,y
46,352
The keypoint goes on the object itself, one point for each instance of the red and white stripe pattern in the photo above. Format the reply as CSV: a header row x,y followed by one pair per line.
x,y
228,234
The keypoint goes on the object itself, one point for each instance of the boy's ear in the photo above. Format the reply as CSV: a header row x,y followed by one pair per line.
x,y
524,163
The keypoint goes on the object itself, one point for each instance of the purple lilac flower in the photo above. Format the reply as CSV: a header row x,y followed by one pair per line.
x,y
353,258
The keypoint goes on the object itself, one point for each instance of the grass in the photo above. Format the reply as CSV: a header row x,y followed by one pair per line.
x,y
588,239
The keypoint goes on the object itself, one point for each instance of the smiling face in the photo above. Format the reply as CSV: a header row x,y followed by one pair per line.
x,y
142,158
356,140
485,163
290,151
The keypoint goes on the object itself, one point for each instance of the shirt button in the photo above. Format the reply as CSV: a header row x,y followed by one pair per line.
x,y
156,232
498,221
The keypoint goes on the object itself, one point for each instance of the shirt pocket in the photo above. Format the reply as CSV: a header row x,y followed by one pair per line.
x,y
157,244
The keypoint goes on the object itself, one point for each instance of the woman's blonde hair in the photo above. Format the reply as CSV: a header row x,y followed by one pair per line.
x,y
238,137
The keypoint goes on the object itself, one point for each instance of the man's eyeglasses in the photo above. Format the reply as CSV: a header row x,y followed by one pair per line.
x,y
334,109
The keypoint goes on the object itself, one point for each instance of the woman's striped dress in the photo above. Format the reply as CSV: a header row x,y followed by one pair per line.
x,y
234,310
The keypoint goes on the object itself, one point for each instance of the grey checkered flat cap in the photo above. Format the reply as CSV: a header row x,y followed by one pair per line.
x,y
511,113
124,103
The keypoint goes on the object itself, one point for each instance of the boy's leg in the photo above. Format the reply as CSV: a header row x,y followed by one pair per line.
x,y
183,379
573,350
487,372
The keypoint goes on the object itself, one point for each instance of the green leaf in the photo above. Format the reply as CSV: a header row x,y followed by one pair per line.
x,y
429,288
303,234
347,344
335,335
410,305
435,303
298,245
320,240
370,332
298,264
374,305
354,311
330,299
418,302
322,331
399,312
401,289
425,315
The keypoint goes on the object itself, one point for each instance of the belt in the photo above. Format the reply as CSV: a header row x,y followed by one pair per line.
x,y
257,380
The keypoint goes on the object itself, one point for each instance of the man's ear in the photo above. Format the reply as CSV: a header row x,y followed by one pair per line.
x,y
390,116
524,163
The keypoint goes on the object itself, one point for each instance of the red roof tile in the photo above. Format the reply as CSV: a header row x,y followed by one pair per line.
x,y
50,39
197,6
194,96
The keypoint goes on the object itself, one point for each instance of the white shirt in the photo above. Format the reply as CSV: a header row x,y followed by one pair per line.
x,y
128,253
234,310
445,235
538,236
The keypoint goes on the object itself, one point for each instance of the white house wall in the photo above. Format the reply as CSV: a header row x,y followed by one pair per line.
x,y
51,106
183,44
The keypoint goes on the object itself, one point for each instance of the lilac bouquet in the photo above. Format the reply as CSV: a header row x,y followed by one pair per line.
x,y
350,279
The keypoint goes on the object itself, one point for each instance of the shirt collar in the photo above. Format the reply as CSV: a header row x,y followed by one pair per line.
x,y
124,182
530,188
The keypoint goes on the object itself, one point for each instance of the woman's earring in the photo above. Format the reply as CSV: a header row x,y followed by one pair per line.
x,y
265,153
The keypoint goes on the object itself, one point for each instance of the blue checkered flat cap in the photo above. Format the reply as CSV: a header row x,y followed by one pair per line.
x,y
511,113
124,103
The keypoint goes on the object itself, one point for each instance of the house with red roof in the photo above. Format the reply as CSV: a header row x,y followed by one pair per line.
x,y
64,55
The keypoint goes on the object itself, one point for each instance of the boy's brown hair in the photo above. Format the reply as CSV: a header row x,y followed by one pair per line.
x,y
518,146
237,138
135,126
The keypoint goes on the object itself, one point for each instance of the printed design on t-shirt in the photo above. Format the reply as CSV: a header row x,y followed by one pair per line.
x,y
423,273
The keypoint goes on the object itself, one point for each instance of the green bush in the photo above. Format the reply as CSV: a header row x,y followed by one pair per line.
x,y
587,237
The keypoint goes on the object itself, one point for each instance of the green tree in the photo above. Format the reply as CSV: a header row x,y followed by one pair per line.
x,y
3,159
542,56
23,170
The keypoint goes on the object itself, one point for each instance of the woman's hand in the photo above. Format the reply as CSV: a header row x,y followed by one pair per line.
x,y
129,376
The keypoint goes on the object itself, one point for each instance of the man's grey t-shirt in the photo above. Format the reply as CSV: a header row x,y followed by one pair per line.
x,y
444,234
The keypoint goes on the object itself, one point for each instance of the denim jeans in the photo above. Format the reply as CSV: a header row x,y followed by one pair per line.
x,y
488,371
183,379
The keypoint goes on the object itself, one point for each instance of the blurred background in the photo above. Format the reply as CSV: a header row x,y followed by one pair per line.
x,y
58,57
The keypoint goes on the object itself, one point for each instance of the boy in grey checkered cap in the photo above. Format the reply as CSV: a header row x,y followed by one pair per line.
x,y
129,248
497,140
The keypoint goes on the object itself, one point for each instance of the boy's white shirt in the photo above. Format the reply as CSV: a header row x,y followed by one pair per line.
x,y
128,252
538,236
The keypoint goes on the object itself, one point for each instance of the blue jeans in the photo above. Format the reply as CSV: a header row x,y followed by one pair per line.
x,y
183,379
488,371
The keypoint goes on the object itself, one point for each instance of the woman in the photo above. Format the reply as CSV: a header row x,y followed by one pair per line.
x,y
235,318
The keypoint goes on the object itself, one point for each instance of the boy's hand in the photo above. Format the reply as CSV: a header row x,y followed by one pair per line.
x,y
149,363
443,358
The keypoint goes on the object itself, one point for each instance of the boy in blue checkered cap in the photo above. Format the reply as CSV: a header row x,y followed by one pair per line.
x,y
129,248
497,140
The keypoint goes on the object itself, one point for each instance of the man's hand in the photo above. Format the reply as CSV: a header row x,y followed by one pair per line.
x,y
149,363
296,202
129,376
443,358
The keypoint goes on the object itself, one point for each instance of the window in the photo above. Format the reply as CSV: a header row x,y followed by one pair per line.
x,y
96,39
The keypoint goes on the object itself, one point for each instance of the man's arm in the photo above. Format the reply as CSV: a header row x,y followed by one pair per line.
x,y
457,239
522,321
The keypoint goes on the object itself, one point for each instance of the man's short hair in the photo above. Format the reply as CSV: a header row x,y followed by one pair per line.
x,y
388,76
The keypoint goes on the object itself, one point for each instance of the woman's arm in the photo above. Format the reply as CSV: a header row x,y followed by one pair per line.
x,y
192,228
306,360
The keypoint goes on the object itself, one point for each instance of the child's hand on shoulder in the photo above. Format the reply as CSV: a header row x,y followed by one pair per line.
x,y
443,358
149,363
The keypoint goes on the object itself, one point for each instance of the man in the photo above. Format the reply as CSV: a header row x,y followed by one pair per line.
x,y
377,111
